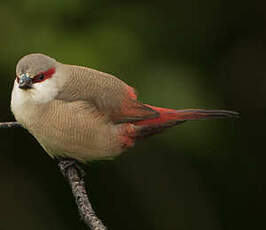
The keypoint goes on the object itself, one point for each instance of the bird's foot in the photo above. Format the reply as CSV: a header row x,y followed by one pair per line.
x,y
65,164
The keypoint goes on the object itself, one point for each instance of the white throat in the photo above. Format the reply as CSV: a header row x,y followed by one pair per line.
x,y
24,103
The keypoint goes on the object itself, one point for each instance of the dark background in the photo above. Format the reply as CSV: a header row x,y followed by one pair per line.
x,y
180,54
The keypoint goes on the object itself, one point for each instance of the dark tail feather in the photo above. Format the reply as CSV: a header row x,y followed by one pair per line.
x,y
170,117
197,114
149,130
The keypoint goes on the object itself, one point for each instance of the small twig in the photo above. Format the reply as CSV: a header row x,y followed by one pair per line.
x,y
11,124
74,174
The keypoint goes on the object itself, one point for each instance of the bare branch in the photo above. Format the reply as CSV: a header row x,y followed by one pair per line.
x,y
74,174
11,124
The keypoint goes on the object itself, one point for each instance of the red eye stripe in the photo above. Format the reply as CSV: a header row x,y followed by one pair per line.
x,y
43,76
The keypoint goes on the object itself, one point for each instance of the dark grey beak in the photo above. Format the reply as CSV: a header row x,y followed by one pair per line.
x,y
25,82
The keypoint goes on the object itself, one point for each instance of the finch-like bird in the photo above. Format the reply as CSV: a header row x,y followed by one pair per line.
x,y
84,114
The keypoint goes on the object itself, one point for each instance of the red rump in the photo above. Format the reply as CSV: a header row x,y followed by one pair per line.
x,y
127,139
131,93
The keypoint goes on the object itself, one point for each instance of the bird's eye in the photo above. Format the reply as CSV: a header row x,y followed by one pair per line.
x,y
38,78
41,76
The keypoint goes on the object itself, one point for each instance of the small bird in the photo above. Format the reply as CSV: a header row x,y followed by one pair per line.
x,y
84,114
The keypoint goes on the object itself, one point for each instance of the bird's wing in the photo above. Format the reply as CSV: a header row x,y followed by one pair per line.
x,y
108,94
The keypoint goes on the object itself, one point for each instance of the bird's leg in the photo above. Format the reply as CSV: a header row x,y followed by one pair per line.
x,y
65,163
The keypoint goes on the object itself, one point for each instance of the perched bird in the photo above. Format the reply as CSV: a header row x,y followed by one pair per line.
x,y
84,114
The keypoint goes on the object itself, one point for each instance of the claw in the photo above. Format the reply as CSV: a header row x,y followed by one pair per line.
x,y
65,164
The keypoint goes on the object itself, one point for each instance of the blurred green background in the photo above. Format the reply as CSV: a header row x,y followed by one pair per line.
x,y
180,54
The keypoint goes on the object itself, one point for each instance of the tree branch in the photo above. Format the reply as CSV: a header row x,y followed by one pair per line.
x,y
11,124
74,174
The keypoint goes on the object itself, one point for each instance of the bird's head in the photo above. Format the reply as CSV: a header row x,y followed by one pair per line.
x,y
40,77
34,69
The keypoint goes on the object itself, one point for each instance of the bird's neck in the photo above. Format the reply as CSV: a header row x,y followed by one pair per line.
x,y
24,105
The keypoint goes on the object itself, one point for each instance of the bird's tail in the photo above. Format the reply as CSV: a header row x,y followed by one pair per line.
x,y
170,117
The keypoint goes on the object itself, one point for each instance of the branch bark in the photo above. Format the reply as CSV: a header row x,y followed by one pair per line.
x,y
11,124
75,176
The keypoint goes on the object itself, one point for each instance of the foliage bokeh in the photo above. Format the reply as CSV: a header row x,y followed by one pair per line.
x,y
178,54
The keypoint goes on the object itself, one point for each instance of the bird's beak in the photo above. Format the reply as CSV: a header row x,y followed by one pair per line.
x,y
25,82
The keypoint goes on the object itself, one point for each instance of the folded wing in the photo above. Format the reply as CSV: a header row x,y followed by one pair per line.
x,y
111,96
